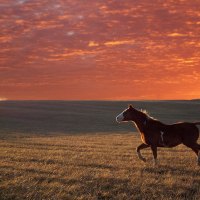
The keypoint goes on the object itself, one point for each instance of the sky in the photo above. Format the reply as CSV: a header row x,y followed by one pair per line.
x,y
99,49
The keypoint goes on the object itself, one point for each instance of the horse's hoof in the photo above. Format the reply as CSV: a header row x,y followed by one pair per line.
x,y
155,162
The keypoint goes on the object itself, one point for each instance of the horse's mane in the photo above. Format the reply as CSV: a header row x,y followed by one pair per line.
x,y
145,112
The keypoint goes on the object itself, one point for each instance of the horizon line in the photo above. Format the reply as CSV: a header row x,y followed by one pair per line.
x,y
196,99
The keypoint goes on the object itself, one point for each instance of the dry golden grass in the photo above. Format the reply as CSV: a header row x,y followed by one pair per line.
x,y
93,166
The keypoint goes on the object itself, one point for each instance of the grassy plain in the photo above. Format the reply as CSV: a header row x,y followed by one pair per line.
x,y
75,150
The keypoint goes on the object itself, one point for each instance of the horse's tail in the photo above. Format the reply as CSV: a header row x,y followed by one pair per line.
x,y
197,123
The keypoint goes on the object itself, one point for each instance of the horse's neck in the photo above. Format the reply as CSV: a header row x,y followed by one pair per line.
x,y
145,121
141,122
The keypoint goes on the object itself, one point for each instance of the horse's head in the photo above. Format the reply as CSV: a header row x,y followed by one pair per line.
x,y
126,115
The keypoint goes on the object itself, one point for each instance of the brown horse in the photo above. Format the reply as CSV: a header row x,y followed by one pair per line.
x,y
157,134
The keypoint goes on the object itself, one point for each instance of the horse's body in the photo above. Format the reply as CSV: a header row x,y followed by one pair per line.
x,y
157,134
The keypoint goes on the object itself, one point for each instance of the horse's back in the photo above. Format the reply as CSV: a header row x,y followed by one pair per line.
x,y
186,130
183,126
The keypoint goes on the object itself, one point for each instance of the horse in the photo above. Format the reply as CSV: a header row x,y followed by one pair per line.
x,y
156,134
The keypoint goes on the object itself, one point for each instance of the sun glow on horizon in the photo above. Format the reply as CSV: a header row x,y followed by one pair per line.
x,y
3,99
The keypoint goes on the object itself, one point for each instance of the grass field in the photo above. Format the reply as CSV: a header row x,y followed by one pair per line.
x,y
75,150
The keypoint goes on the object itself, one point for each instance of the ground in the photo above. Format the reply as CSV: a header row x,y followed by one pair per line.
x,y
93,166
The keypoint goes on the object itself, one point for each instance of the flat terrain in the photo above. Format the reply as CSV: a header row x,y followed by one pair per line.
x,y
101,166
47,117
76,150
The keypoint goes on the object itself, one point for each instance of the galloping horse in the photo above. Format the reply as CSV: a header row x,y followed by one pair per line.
x,y
157,134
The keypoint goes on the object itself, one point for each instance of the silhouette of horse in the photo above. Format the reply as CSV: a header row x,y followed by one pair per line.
x,y
157,134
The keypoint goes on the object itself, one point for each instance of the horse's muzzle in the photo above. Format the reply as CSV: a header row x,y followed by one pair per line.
x,y
120,118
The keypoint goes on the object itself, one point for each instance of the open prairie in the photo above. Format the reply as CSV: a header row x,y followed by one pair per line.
x,y
76,150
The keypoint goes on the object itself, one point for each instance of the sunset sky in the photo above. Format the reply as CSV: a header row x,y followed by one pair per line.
x,y
99,49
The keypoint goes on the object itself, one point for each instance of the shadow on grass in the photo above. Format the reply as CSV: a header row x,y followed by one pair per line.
x,y
191,191
117,188
176,191
47,185
98,166
164,169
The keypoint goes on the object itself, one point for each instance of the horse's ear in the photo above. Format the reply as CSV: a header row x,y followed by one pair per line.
x,y
130,106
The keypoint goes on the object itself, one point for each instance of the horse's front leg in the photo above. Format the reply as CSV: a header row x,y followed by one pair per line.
x,y
154,150
140,147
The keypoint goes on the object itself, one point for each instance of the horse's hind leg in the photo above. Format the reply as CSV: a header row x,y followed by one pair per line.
x,y
196,148
198,156
140,147
198,160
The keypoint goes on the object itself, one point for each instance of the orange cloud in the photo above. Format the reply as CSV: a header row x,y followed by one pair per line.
x,y
64,17
120,42
176,35
4,39
93,44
